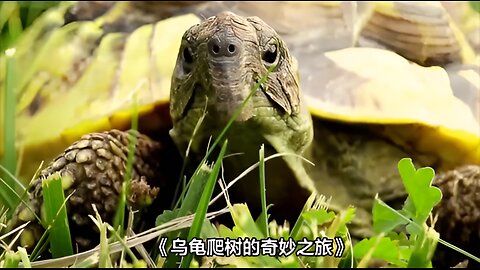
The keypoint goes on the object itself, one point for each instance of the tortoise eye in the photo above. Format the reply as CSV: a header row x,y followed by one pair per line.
x,y
187,56
271,54
187,60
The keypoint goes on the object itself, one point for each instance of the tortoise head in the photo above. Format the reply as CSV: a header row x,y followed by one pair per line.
x,y
220,61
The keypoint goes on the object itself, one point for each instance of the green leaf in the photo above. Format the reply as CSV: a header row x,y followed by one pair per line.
x,y
320,216
385,219
12,259
166,216
209,230
344,218
338,227
424,249
404,243
191,199
225,232
408,209
418,184
386,249
259,221
401,237
244,222
195,191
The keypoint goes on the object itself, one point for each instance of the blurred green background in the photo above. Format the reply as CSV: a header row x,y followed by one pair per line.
x,y
15,16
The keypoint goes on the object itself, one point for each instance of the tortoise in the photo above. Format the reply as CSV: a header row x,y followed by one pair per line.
x,y
356,136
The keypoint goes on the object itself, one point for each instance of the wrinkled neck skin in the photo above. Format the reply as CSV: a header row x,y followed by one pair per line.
x,y
218,65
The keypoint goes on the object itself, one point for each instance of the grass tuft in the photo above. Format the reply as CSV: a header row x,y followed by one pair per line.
x,y
56,217
203,205
104,260
9,160
263,193
120,214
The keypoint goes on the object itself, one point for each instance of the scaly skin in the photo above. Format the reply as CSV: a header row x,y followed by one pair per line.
x,y
459,212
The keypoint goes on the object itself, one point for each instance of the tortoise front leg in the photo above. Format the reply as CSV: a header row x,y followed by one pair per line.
x,y
458,213
93,168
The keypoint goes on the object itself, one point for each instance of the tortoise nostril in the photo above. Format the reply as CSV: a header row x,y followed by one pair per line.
x,y
231,48
215,49
223,46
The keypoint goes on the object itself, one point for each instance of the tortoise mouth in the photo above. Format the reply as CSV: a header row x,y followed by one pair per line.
x,y
223,109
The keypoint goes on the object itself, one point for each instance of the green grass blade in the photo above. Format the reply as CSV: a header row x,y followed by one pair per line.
x,y
15,179
189,206
56,217
263,222
15,27
105,261
300,220
32,13
90,262
6,195
466,253
10,24
6,10
40,246
10,158
120,214
127,249
181,182
194,194
35,9
104,256
203,206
